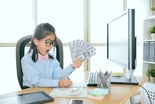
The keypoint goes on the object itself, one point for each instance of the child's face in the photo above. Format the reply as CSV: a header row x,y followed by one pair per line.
x,y
44,45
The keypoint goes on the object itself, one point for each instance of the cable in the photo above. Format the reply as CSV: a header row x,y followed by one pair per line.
x,y
147,94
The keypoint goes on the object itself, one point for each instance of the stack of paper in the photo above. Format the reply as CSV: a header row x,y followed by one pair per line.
x,y
81,49
118,73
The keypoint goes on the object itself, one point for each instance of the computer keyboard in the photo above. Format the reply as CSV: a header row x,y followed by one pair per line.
x,y
92,80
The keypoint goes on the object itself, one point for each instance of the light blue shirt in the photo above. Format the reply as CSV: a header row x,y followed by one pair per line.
x,y
44,73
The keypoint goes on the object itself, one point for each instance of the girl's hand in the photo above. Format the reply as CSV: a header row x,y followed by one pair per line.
x,y
76,63
65,82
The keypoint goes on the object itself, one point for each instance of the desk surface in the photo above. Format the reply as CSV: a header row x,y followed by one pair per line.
x,y
119,94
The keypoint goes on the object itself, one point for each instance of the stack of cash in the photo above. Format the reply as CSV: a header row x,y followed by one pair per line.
x,y
81,49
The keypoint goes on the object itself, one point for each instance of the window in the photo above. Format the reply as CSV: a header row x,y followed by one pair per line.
x,y
67,16
101,12
16,19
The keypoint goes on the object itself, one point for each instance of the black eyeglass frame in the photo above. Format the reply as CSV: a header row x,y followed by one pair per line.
x,y
49,42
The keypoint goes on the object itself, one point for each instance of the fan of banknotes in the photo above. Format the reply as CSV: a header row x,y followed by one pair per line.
x,y
81,49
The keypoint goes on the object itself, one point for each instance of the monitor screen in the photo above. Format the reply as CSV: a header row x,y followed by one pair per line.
x,y
121,41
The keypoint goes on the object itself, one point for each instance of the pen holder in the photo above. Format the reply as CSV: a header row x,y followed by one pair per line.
x,y
104,82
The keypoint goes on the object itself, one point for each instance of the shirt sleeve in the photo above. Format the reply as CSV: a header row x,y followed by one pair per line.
x,y
60,73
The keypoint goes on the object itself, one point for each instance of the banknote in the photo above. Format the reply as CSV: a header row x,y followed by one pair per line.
x,y
81,49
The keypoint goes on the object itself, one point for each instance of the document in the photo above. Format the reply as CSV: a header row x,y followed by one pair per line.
x,y
69,92
146,51
79,85
81,49
152,51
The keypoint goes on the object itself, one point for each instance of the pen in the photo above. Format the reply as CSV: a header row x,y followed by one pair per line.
x,y
106,73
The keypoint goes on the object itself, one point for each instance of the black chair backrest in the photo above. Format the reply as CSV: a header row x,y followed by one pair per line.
x,y
20,52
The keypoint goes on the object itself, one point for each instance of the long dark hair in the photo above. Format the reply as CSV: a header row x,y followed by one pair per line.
x,y
41,31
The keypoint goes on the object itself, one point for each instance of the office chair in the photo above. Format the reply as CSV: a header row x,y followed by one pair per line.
x,y
20,51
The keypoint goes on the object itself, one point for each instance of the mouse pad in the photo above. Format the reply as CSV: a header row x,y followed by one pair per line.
x,y
29,98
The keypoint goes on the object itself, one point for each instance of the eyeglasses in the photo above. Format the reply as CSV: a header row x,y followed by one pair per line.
x,y
49,42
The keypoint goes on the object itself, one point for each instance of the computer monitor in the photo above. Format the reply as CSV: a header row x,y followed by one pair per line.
x,y
121,45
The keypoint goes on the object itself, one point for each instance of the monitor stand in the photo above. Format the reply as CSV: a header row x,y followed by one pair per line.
x,y
128,78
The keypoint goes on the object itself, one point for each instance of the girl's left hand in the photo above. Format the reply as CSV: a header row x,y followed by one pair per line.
x,y
76,63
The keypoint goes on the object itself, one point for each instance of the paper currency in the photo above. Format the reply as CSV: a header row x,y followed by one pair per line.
x,y
81,49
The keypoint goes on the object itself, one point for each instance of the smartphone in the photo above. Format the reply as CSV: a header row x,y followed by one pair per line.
x,y
73,101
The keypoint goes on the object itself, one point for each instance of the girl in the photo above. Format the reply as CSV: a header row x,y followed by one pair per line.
x,y
41,68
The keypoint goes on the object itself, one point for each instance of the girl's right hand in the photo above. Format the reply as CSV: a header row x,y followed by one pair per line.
x,y
76,63
65,82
